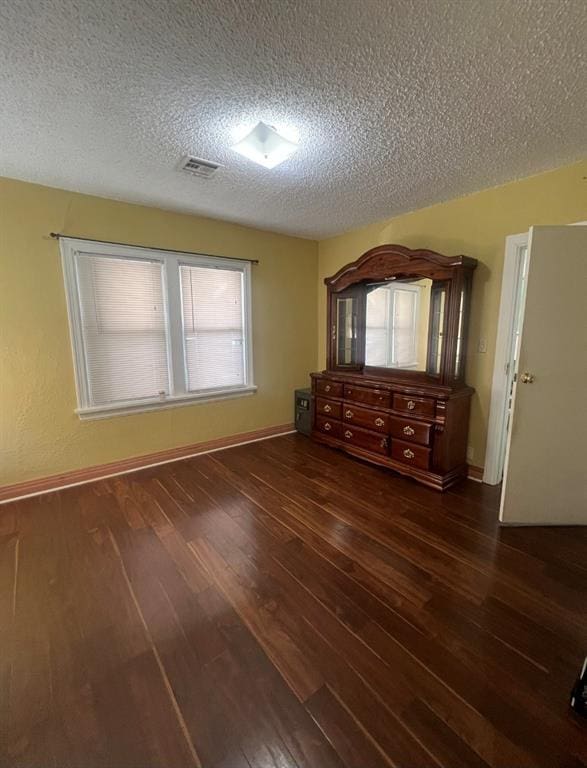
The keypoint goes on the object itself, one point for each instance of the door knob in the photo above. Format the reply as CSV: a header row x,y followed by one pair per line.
x,y
527,378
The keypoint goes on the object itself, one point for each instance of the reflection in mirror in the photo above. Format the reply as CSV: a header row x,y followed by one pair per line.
x,y
346,331
404,325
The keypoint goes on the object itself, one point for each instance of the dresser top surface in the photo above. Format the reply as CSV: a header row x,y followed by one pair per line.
x,y
360,378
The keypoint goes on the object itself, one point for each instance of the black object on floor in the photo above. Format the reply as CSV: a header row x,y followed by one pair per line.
x,y
303,406
579,692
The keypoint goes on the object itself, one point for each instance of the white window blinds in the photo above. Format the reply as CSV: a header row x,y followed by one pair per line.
x,y
124,328
377,343
404,327
154,328
213,327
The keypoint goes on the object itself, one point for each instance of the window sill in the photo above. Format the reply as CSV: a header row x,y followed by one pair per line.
x,y
142,406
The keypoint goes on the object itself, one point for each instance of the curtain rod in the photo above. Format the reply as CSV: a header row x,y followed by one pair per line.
x,y
59,235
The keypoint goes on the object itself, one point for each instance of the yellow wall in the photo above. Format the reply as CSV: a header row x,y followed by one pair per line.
x,y
477,226
39,432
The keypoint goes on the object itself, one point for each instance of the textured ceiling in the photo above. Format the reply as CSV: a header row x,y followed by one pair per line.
x,y
398,103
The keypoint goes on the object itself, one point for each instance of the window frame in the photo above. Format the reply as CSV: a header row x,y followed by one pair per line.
x,y
170,261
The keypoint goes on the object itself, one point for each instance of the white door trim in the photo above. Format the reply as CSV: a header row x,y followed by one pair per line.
x,y
514,245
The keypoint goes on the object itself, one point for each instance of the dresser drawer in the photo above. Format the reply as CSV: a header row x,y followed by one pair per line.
x,y
328,426
410,429
419,406
409,453
364,417
370,441
330,408
367,395
328,388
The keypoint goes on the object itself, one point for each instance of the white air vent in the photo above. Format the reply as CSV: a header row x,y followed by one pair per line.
x,y
199,167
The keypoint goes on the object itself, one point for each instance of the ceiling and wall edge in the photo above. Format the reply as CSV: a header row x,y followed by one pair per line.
x,y
181,211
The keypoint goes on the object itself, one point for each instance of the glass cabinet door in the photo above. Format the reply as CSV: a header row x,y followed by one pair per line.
x,y
436,328
346,330
461,329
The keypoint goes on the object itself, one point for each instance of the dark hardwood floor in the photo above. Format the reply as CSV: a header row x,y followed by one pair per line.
x,y
279,604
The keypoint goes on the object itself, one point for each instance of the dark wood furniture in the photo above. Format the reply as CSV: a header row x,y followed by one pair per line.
x,y
394,390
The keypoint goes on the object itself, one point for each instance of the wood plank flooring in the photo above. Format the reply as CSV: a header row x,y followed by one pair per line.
x,y
280,604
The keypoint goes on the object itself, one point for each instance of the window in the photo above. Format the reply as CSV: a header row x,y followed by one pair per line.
x,y
213,340
153,329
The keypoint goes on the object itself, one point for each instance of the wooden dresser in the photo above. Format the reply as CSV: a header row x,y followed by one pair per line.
x,y
421,432
413,420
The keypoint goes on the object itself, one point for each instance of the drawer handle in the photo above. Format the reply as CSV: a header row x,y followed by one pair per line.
x,y
348,434
409,454
408,430
327,408
348,414
411,405
327,388
379,422
327,426
384,443
350,391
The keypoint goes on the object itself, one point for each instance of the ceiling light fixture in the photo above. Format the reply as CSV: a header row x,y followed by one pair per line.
x,y
265,146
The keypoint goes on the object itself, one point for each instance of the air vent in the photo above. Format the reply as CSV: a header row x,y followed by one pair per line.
x,y
198,167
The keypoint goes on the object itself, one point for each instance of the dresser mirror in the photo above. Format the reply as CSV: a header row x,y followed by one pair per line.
x,y
404,324
401,313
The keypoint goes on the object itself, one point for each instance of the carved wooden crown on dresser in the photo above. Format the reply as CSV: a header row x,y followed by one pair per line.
x,y
394,391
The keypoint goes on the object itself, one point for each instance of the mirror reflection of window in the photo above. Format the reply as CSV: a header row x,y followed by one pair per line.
x,y
404,327
397,320
377,332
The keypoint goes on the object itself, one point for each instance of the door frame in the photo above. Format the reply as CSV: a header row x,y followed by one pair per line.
x,y
513,260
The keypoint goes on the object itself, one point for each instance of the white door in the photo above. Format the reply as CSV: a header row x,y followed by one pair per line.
x,y
545,480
